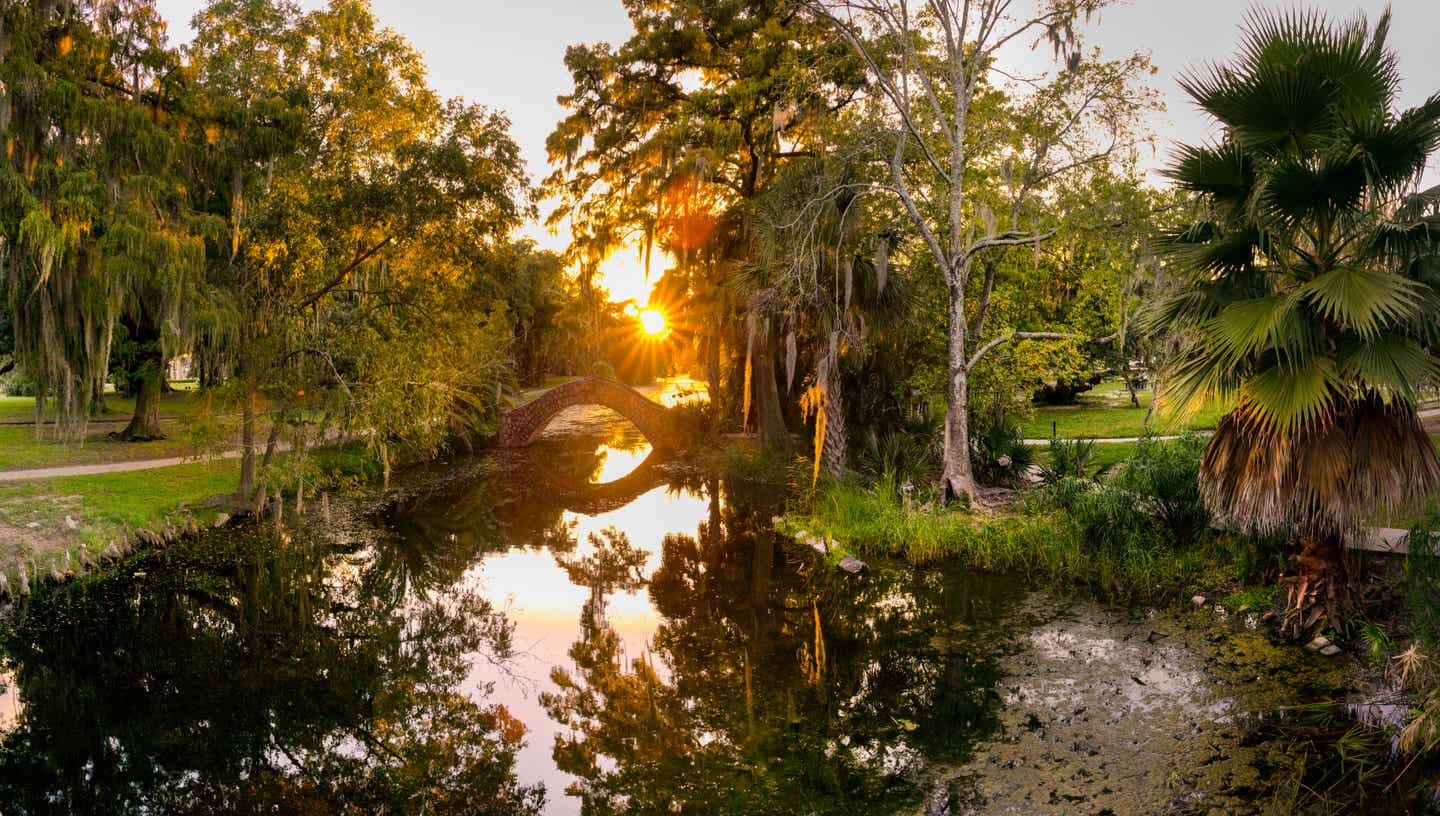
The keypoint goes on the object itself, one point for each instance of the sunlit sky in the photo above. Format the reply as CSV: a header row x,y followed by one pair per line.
x,y
508,54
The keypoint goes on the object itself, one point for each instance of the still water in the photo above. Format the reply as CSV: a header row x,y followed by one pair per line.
x,y
580,629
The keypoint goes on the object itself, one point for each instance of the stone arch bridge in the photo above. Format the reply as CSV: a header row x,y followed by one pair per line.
x,y
519,426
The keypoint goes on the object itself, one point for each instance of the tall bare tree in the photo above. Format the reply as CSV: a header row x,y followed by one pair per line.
x,y
978,143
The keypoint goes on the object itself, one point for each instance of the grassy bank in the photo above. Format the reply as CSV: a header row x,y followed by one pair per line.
x,y
102,507
1043,544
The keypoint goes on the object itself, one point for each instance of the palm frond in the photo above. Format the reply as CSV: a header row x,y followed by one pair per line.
x,y
1362,299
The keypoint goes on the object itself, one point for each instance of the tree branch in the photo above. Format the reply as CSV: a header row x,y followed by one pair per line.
x,y
343,274
1018,335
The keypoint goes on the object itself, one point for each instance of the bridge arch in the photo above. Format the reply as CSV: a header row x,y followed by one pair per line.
x,y
519,426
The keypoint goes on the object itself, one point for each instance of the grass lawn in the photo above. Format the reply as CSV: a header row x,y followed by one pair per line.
x,y
1106,412
179,403
1106,454
102,504
108,504
20,450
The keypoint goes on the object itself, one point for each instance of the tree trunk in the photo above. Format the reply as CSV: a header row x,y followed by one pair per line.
x,y
769,416
145,425
1320,590
97,400
246,489
958,478
713,373
835,434
144,382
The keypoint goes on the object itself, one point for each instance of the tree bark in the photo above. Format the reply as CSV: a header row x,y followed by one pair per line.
x,y
958,477
1320,591
144,382
145,425
836,449
769,416
246,490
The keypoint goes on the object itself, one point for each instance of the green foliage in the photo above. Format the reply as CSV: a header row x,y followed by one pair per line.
x,y
1069,459
1001,456
906,451
1065,544
1166,475
1150,499
1305,293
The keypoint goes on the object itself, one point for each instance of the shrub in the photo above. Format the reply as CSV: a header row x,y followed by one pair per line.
x,y
1069,458
1166,475
909,452
1001,456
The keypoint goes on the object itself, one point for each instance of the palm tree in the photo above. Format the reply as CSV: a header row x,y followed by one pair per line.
x,y
1311,290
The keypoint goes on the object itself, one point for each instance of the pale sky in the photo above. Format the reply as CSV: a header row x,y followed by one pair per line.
x,y
508,55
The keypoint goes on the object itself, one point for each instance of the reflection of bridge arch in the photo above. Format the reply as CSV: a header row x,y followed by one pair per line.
x,y
520,425
585,497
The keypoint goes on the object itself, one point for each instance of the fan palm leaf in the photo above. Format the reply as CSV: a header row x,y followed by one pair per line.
x,y
1311,287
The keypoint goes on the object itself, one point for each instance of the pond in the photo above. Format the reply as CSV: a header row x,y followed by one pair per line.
x,y
581,629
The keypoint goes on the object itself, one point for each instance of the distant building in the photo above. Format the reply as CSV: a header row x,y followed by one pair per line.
x,y
179,368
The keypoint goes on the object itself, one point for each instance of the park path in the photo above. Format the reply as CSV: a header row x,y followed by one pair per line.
x,y
109,467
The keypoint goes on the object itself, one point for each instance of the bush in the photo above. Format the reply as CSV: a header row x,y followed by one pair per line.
x,y
1001,456
1167,476
909,452
1069,458
1151,500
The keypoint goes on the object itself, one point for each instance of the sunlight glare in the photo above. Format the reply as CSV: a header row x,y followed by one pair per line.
x,y
653,322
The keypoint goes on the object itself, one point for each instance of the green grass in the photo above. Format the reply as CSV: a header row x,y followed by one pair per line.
x,y
105,505
1254,599
180,403
108,504
1044,545
1106,455
20,450
1106,412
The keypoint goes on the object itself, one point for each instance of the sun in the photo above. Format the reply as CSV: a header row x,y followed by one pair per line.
x,y
652,322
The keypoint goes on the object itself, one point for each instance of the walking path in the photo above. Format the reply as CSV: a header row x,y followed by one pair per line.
x,y
108,467
1114,440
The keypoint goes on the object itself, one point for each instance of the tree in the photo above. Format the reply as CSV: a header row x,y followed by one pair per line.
x,y
671,132
819,269
100,238
360,209
966,154
1312,273
281,692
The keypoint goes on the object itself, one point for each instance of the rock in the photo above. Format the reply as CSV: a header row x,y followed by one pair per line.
x,y
1330,650
34,525
851,564
72,523
1198,600
1320,642
220,520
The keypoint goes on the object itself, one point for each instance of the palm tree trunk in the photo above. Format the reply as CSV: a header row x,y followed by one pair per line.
x,y
769,416
1320,590
835,433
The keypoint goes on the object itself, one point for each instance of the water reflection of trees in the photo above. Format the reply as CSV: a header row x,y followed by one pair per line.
x,y
774,686
240,677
